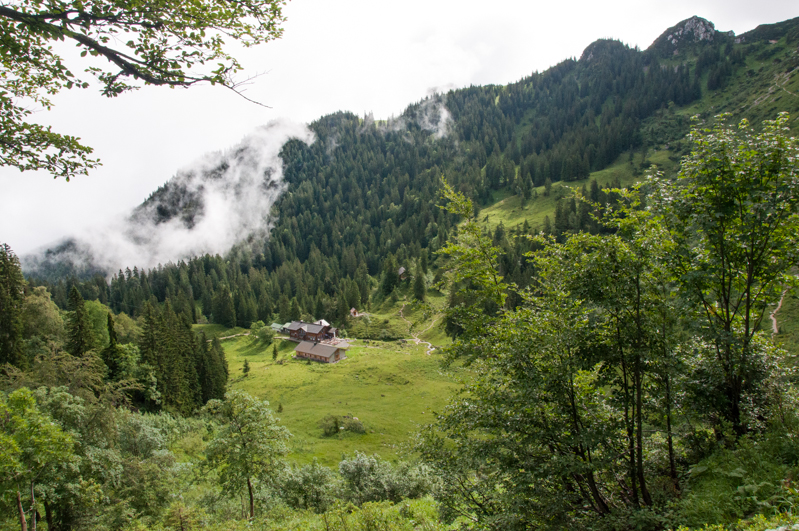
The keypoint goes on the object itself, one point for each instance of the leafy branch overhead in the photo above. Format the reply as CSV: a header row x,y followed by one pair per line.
x,y
163,42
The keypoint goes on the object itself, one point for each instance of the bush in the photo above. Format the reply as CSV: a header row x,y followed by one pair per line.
x,y
370,479
354,425
735,483
265,334
330,425
311,487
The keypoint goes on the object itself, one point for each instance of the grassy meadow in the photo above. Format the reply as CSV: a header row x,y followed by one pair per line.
x,y
392,387
509,211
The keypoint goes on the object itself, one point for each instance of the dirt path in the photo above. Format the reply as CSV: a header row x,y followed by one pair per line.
x,y
415,337
230,337
773,315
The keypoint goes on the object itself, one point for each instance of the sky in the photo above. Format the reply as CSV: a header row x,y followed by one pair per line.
x,y
364,56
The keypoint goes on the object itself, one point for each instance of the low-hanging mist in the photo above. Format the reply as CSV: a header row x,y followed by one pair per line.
x,y
208,207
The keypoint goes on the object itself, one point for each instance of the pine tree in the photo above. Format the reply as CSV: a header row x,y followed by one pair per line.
x,y
390,275
12,285
112,354
246,368
294,311
224,310
419,289
80,339
274,351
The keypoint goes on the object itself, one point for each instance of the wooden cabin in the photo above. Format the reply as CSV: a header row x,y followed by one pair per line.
x,y
321,352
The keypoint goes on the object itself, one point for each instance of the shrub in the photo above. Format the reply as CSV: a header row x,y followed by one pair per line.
x,y
370,479
354,425
311,487
330,425
265,334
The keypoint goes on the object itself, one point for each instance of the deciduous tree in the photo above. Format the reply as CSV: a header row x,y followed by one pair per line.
x,y
248,446
734,213
172,43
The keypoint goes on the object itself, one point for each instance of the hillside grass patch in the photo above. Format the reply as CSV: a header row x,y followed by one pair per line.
x,y
392,388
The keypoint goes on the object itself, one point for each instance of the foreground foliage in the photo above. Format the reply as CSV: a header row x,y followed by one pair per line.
x,y
634,355
177,44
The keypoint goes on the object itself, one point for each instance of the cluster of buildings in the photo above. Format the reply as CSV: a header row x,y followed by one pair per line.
x,y
317,341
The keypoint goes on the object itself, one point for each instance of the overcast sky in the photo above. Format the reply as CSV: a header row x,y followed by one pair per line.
x,y
356,55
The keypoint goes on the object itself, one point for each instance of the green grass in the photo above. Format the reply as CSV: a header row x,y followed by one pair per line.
x,y
423,319
508,209
391,387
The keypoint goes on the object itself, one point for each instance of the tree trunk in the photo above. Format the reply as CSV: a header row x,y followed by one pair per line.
x,y
48,516
252,500
669,437
628,423
602,507
639,436
23,524
33,508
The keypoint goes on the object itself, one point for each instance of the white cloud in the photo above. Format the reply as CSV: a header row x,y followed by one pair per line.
x,y
232,193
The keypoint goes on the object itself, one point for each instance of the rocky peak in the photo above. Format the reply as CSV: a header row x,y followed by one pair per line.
x,y
698,28
688,32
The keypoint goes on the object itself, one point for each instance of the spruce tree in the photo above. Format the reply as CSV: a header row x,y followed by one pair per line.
x,y
203,367
224,310
12,286
211,369
246,368
221,361
148,340
390,275
112,354
284,308
80,338
419,289
188,351
294,311
274,352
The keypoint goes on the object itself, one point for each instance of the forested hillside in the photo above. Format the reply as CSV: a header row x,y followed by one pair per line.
x,y
364,195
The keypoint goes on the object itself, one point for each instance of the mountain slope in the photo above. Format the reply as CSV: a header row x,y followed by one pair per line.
x,y
364,193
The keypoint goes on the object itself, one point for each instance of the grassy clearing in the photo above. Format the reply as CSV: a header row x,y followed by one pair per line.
x,y
417,318
218,330
509,211
391,387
